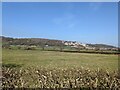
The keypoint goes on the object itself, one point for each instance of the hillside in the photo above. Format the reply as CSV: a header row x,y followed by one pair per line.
x,y
101,45
29,41
43,41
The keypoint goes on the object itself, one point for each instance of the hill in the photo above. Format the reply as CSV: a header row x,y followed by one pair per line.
x,y
101,45
49,42
29,41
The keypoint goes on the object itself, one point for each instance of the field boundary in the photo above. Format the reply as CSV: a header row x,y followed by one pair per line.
x,y
91,52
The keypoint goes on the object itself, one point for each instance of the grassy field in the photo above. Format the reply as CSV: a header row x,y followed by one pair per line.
x,y
52,59
50,69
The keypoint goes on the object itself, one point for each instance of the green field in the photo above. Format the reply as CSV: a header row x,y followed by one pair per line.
x,y
52,59
54,69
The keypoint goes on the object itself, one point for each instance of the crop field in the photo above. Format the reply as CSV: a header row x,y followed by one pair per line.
x,y
52,69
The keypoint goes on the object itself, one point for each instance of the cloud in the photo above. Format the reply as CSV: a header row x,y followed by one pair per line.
x,y
67,20
95,5
71,25
58,20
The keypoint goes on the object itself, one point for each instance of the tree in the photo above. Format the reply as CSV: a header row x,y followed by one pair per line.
x,y
43,44
61,46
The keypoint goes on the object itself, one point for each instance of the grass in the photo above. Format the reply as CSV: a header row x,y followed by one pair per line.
x,y
52,59
81,79
50,69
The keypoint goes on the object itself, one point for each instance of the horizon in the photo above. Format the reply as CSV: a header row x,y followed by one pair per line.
x,y
62,21
53,39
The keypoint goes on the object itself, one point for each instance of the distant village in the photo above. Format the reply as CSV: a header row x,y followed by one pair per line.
x,y
34,42
76,44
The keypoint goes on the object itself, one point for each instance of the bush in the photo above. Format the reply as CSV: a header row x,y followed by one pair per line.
x,y
60,78
29,48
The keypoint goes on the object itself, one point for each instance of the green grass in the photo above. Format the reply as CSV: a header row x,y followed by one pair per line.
x,y
52,59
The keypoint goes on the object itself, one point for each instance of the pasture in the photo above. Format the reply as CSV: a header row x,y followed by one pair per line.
x,y
54,59
52,69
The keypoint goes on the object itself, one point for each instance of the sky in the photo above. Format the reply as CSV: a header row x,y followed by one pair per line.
x,y
86,22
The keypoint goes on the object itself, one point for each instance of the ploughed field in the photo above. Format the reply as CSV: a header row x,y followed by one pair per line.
x,y
50,69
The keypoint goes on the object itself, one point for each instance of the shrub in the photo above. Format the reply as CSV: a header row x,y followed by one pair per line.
x,y
60,78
